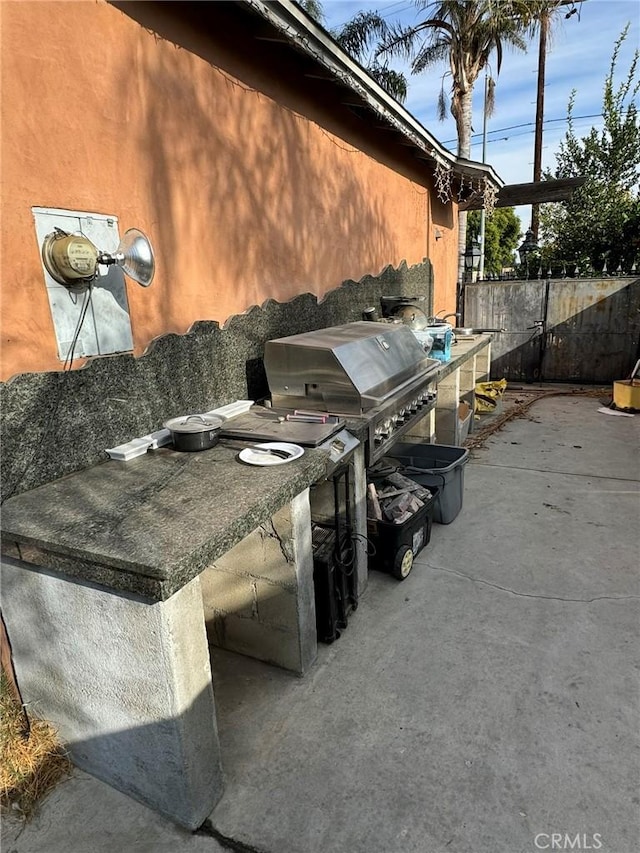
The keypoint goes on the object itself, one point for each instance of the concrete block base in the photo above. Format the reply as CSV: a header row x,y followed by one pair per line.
x,y
127,683
259,597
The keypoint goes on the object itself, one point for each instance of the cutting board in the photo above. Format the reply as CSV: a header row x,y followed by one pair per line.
x,y
263,425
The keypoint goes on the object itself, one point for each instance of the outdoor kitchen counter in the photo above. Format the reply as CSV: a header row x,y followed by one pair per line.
x,y
150,525
470,363
462,351
455,381
115,580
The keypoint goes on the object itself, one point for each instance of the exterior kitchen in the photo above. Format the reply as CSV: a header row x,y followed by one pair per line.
x,y
263,225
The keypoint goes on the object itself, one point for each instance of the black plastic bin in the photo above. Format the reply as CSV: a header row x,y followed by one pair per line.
x,y
439,465
395,545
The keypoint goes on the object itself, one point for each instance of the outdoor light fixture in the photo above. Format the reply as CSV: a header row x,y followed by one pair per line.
x,y
74,261
528,246
472,257
437,234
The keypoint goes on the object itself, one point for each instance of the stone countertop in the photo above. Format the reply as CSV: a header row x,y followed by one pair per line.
x,y
150,525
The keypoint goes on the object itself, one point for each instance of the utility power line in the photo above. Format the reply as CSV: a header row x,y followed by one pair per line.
x,y
403,4
524,124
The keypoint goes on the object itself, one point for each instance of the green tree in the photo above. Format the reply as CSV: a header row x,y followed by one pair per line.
x,y
599,223
501,236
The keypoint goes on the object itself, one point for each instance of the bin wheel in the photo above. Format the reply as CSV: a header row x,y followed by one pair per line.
x,y
402,563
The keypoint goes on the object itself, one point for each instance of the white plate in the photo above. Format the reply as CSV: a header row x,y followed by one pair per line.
x,y
253,457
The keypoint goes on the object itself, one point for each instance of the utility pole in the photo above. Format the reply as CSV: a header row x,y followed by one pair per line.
x,y
537,150
545,20
483,213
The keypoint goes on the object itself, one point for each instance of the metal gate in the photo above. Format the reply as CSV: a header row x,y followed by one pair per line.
x,y
559,330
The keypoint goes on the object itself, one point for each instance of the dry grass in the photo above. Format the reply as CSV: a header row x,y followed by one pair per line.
x,y
520,408
31,761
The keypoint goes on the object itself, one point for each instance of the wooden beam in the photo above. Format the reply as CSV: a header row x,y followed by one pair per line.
x,y
538,192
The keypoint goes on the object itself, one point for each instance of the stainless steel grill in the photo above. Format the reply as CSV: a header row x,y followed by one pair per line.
x,y
376,372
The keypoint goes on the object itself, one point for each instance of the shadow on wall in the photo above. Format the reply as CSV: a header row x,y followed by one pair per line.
x,y
271,201
56,423
591,332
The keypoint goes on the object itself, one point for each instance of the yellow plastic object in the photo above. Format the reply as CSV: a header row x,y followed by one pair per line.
x,y
487,395
626,394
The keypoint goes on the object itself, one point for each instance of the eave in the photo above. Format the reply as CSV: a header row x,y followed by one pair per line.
x,y
295,30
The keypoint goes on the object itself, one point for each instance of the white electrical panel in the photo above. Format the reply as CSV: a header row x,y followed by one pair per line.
x,y
106,328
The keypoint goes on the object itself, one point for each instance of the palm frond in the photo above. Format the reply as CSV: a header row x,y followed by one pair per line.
x,y
357,35
393,82
490,103
442,105
498,57
429,55
400,41
314,9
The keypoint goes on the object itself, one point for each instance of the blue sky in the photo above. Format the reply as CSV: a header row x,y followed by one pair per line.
x,y
578,57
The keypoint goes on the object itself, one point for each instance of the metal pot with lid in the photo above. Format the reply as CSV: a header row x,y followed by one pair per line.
x,y
405,310
194,432
411,316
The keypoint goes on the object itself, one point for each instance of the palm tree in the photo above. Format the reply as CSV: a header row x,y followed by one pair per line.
x,y
464,33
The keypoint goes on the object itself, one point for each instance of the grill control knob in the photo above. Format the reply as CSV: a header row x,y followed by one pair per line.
x,y
385,428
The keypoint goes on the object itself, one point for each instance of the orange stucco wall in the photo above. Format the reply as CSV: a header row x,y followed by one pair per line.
x,y
243,198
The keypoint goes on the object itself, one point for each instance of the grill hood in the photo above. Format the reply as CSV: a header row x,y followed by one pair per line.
x,y
344,369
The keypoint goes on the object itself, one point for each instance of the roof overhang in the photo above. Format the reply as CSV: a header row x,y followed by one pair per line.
x,y
538,192
460,177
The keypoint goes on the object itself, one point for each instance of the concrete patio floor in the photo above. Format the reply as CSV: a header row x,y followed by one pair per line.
x,y
487,704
